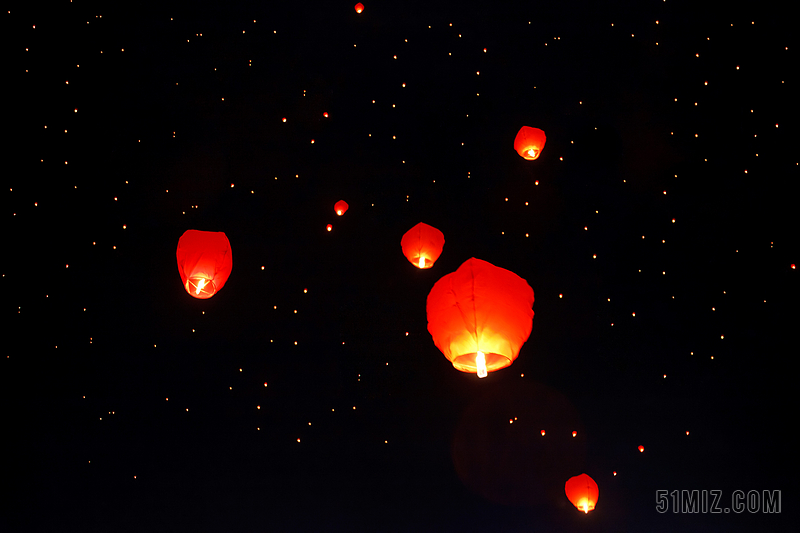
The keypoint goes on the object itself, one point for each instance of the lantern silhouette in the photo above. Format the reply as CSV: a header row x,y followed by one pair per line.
x,y
359,7
582,492
529,142
340,207
480,316
422,245
204,262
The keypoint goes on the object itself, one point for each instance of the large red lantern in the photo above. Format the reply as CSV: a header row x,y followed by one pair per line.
x,y
359,7
204,261
340,207
422,245
582,492
529,142
480,316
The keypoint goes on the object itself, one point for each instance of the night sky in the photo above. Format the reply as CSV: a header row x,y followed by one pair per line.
x,y
658,230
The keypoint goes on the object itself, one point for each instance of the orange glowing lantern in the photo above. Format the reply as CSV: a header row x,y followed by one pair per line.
x,y
529,142
204,262
582,492
340,207
641,448
480,316
359,7
422,245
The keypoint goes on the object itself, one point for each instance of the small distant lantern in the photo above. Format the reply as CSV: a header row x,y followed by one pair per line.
x,y
574,433
329,227
542,433
582,492
480,316
641,448
204,262
359,7
340,207
422,245
529,142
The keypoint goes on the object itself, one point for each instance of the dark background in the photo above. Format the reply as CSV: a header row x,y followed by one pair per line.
x,y
94,350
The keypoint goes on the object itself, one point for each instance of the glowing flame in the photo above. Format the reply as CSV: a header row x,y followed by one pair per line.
x,y
480,361
200,285
532,152
339,212
422,262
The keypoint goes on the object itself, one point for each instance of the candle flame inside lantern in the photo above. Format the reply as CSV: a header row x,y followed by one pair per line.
x,y
480,361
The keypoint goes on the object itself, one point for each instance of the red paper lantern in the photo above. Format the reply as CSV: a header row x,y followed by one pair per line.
x,y
582,492
204,262
340,207
480,316
422,245
359,7
529,142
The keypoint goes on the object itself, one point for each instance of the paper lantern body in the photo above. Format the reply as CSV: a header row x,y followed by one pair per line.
x,y
340,207
359,7
204,261
529,142
480,307
422,245
582,492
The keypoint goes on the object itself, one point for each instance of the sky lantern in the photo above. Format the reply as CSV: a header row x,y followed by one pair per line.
x,y
359,7
529,142
204,262
340,207
480,316
582,492
422,245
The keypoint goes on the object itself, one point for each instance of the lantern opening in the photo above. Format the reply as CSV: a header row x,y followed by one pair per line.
x,y
585,505
422,262
200,287
469,362
339,212
480,362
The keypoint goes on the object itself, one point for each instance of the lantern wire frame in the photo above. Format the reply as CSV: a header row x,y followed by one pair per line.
x,y
201,287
